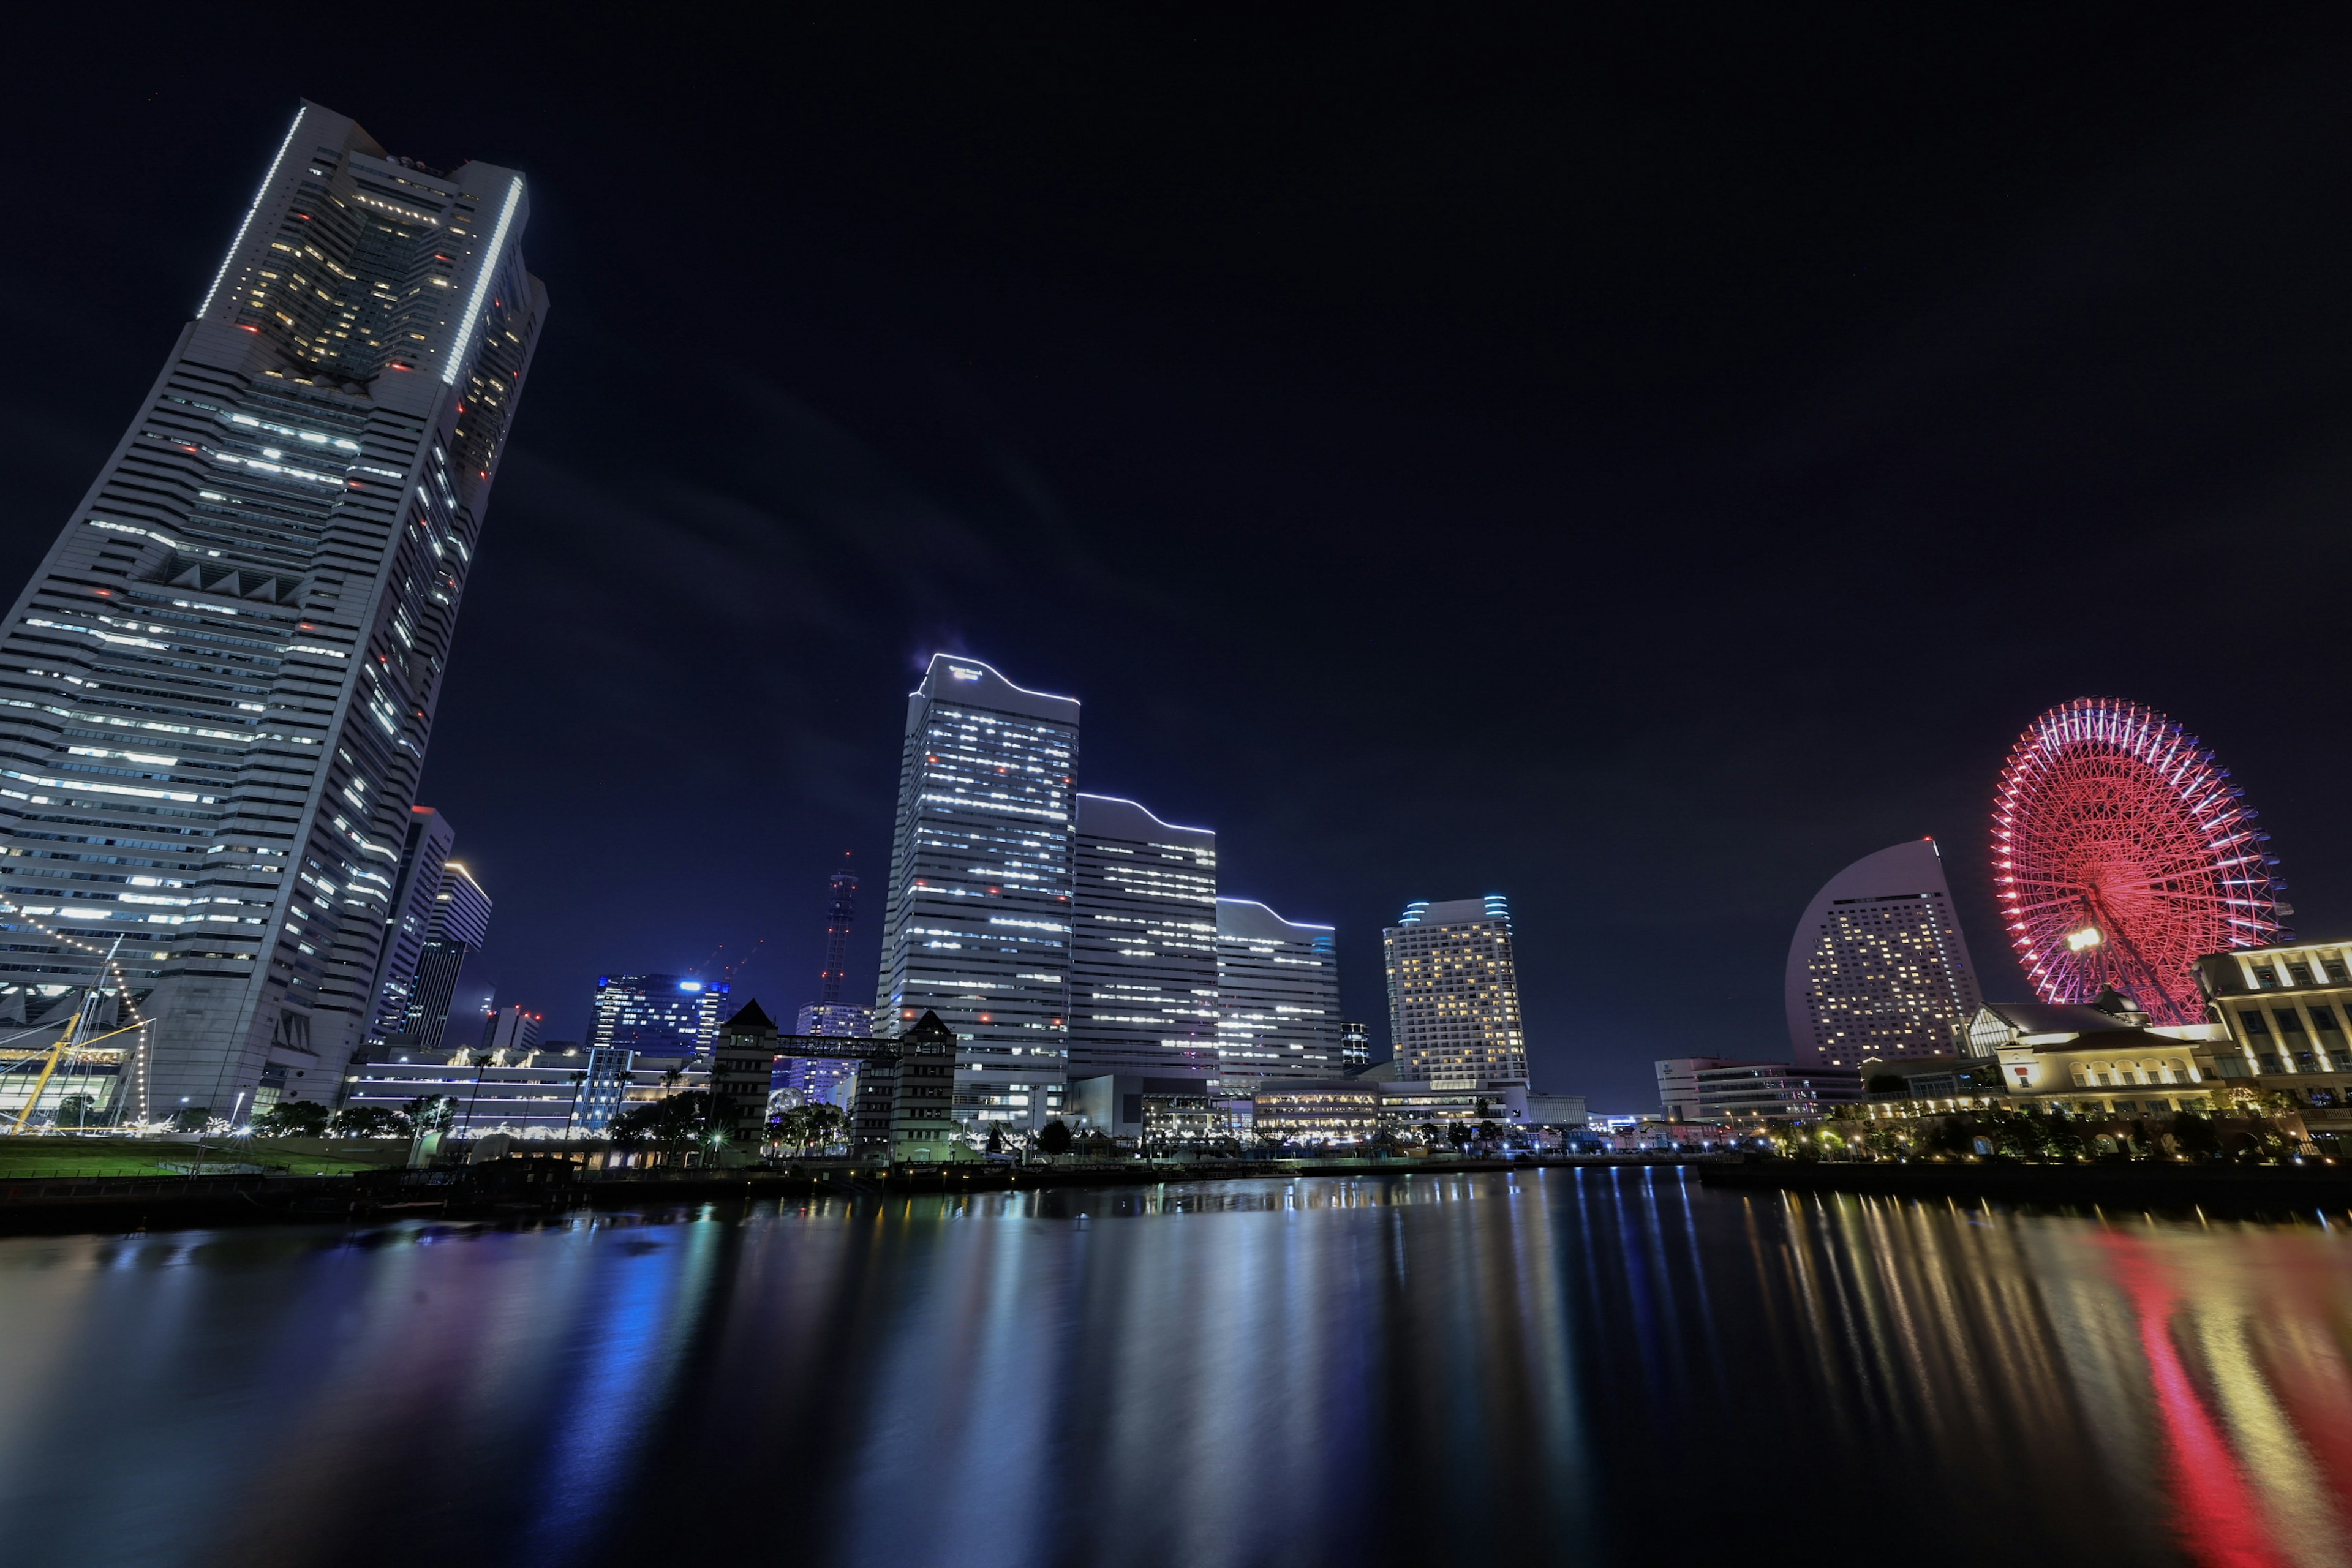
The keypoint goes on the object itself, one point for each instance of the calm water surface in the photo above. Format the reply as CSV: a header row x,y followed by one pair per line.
x,y
1598,1366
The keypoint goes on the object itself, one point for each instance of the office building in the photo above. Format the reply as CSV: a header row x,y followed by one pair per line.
x,y
1878,967
216,691
1355,1046
1143,950
976,923
1713,1088
672,1016
510,1031
459,926
1454,993
414,896
825,1083
1278,998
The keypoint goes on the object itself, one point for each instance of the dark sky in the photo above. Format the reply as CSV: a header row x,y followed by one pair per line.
x,y
1637,462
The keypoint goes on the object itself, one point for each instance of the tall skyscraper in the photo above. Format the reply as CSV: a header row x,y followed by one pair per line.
x,y
1143,952
1453,993
977,926
1277,997
219,684
414,896
1877,966
459,927
1355,1045
657,1015
511,1031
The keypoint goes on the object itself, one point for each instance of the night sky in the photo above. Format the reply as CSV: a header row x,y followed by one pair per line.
x,y
1634,465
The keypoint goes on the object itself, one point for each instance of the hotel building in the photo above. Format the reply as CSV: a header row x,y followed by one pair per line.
x,y
1877,968
1454,993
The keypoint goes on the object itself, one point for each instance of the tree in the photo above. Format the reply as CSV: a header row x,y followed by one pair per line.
x,y
996,1137
1053,1140
672,1124
75,1110
369,1121
430,1112
2194,1135
482,1055
287,1119
806,1125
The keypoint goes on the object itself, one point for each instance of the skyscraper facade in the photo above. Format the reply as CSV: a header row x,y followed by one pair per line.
x,y
1878,967
976,926
215,691
459,928
1453,993
657,1015
414,896
1277,997
1143,948
511,1031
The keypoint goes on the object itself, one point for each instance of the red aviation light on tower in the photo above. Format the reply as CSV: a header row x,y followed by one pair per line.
x,y
2121,854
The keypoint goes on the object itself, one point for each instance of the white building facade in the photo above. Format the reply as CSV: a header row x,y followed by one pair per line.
x,y
1278,1013
977,921
1454,993
1878,968
216,691
1144,950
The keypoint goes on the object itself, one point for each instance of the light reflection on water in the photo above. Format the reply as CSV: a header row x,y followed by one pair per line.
x,y
1604,1366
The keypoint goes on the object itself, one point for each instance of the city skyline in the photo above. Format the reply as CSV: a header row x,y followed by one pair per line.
x,y
1307,566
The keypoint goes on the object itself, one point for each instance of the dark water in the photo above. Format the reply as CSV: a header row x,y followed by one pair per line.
x,y
1603,1366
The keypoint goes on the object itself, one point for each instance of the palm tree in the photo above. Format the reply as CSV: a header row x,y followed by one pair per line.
x,y
481,1059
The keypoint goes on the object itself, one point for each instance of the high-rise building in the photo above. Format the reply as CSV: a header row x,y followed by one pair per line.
x,y
219,683
1143,950
511,1031
1355,1045
657,1015
414,896
1877,967
1453,993
459,926
811,1080
977,926
1277,997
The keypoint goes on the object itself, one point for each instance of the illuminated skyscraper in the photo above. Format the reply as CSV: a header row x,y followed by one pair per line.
x,y
1453,993
977,923
1143,957
414,896
1877,966
219,684
667,1016
1277,997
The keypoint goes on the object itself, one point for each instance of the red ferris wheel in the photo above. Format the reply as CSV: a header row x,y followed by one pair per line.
x,y
2121,854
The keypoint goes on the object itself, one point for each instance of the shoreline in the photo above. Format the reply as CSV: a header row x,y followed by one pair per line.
x,y
517,1188
2137,1184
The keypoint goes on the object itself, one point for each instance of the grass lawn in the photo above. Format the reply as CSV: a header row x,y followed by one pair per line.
x,y
38,1156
